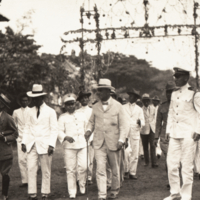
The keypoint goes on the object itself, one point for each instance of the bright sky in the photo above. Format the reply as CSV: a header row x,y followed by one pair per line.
x,y
51,18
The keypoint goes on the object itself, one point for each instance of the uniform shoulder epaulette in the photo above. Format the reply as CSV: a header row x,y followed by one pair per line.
x,y
191,88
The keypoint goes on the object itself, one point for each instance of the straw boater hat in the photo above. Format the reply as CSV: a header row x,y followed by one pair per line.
x,y
37,91
145,96
4,99
105,83
133,91
156,98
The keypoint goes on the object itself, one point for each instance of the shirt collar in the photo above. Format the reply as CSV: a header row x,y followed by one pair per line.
x,y
24,108
185,87
107,101
131,104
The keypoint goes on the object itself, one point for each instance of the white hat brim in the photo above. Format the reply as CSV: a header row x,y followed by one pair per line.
x,y
108,87
30,94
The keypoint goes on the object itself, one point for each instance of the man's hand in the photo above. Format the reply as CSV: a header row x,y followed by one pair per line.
x,y
139,122
87,135
167,137
119,145
126,143
50,150
196,137
69,139
24,148
91,143
155,142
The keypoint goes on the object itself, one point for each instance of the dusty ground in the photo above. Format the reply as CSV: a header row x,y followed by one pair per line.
x,y
151,183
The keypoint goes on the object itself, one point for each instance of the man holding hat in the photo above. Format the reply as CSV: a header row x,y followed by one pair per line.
x,y
136,118
183,129
72,125
109,123
20,118
8,134
39,140
161,120
83,98
148,131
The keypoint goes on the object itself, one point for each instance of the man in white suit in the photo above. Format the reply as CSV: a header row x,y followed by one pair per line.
x,y
72,125
183,129
109,123
39,140
20,118
83,98
136,118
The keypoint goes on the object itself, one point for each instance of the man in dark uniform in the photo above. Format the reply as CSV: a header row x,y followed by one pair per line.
x,y
8,134
161,121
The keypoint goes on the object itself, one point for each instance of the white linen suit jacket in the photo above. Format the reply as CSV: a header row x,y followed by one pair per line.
x,y
20,119
134,113
41,131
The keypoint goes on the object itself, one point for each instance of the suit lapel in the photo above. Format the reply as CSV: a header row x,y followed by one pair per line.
x,y
127,108
109,105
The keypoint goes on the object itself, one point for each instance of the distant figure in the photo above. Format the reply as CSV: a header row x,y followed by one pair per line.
x,y
136,120
20,118
161,121
148,131
8,134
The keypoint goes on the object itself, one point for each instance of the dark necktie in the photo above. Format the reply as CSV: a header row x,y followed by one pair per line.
x,y
38,112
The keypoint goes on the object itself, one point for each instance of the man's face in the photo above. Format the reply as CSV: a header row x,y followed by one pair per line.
x,y
103,94
133,98
146,102
2,106
84,100
24,102
38,101
155,102
169,94
70,106
181,79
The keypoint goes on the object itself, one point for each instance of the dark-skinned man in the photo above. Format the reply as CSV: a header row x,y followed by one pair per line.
x,y
72,125
161,120
109,123
183,129
39,140
136,118
156,101
20,118
8,134
148,131
83,98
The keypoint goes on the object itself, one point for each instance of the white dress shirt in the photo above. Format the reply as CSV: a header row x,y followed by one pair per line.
x,y
183,116
72,125
105,106
20,119
134,112
149,116
41,131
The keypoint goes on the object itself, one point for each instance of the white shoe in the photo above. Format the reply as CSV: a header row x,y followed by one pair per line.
x,y
82,190
72,196
173,197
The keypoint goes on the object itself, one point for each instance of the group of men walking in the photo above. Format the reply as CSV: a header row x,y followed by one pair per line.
x,y
108,131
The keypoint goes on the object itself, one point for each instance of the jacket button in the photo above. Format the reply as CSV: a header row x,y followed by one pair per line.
x,y
176,122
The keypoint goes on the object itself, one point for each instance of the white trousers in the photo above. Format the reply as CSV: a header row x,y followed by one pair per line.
x,y
141,151
22,161
32,163
131,156
91,160
75,162
181,151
